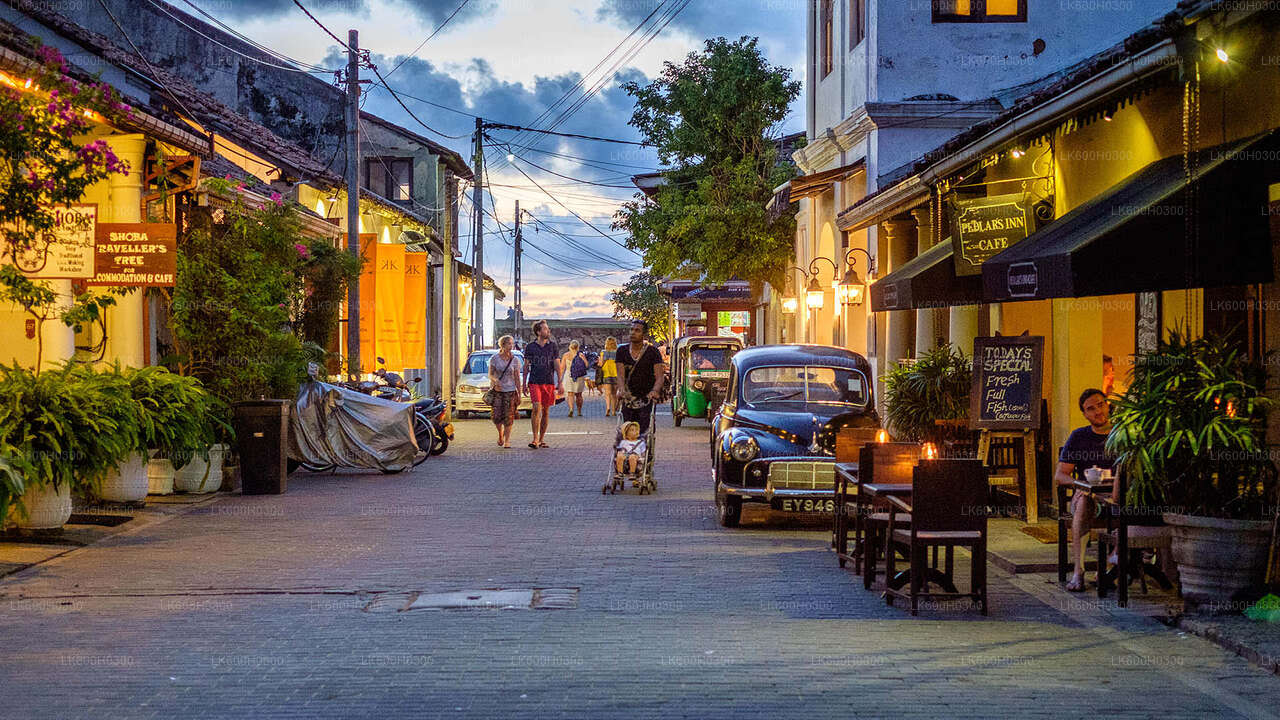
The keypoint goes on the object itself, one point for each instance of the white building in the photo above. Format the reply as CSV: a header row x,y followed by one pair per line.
x,y
887,81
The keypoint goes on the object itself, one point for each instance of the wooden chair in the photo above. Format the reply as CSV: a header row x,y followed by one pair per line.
x,y
948,499
888,463
849,443
1064,495
1005,462
1143,531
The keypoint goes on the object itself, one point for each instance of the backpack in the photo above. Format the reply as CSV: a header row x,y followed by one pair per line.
x,y
578,368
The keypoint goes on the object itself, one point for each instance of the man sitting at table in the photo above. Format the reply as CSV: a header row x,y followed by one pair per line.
x,y
1085,448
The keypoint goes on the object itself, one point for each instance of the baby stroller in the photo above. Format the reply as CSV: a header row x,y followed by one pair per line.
x,y
643,481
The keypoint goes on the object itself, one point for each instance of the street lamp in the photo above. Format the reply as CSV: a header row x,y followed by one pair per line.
x,y
814,295
851,290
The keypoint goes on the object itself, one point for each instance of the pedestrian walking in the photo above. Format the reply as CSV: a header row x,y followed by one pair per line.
x,y
506,381
609,375
641,373
541,371
574,382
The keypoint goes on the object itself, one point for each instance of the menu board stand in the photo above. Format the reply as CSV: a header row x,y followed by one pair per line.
x,y
1005,405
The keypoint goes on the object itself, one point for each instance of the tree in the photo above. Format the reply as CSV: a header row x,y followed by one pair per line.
x,y
639,299
713,120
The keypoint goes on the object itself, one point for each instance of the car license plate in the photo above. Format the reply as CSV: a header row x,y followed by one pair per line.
x,y
813,505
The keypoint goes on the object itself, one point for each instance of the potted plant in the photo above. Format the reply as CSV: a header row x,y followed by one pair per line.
x,y
935,387
1189,437
174,425
68,428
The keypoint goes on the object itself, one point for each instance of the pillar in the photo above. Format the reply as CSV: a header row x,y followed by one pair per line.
x,y
963,327
126,335
900,324
926,325
1077,361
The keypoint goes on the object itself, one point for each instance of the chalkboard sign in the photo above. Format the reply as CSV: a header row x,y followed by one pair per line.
x,y
1006,383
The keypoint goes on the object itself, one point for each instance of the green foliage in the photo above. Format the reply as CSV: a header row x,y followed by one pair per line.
x,y
176,416
639,299
67,425
1189,431
934,387
327,272
711,119
241,280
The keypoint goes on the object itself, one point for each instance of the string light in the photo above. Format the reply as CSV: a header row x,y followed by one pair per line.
x,y
1222,55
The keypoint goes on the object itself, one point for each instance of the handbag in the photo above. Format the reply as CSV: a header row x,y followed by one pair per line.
x,y
491,396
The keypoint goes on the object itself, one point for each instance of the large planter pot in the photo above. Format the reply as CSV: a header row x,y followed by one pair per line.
x,y
128,482
1218,558
46,507
160,474
199,476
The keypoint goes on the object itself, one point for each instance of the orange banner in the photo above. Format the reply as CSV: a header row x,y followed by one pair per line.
x,y
413,335
390,305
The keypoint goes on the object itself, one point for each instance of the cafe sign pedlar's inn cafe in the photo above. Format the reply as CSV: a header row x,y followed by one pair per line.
x,y
79,247
987,226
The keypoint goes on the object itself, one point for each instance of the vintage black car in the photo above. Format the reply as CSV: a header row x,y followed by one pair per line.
x,y
774,438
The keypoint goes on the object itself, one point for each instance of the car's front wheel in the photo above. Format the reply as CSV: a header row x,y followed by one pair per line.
x,y
728,507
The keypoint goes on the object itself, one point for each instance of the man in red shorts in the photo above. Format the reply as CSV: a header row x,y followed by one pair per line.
x,y
541,371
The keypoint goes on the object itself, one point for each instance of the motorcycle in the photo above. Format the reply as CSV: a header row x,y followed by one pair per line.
x,y
430,427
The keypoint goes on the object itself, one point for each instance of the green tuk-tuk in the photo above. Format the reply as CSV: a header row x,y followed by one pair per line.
x,y
700,375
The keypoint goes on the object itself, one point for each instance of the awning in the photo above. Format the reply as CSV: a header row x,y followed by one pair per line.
x,y
1132,238
817,183
927,280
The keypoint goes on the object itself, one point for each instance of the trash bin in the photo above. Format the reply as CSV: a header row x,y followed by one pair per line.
x,y
262,434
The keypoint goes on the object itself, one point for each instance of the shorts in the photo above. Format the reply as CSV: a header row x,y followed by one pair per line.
x,y
638,415
609,380
544,395
574,386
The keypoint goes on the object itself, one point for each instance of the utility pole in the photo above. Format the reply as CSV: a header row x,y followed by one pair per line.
x,y
477,201
353,196
515,316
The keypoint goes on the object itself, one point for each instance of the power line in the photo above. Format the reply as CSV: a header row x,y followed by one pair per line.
x,y
155,75
406,107
424,42
518,128
428,102
249,41
566,207
566,177
317,22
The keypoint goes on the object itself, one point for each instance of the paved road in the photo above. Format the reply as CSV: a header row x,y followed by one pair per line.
x,y
288,606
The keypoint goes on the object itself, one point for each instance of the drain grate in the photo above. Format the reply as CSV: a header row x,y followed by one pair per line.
x,y
486,599
104,520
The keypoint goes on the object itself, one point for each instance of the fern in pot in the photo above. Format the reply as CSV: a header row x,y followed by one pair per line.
x,y
918,394
175,421
68,428
1189,436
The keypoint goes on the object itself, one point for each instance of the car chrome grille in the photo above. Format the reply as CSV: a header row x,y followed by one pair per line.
x,y
800,475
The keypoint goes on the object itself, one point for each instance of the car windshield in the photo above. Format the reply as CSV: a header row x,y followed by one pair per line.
x,y
805,384
710,357
478,364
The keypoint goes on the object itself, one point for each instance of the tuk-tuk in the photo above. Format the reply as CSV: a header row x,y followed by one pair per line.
x,y
700,375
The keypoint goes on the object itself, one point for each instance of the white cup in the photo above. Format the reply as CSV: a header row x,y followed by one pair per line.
x,y
1092,475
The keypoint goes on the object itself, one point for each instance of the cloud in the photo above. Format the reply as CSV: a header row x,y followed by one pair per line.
x,y
431,12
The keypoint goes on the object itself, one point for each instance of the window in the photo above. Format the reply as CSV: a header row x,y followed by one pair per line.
x,y
979,11
827,43
390,177
857,22
805,384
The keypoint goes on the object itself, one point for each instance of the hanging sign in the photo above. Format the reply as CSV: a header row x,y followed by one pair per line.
x,y
65,251
1005,394
986,226
135,255
413,335
688,311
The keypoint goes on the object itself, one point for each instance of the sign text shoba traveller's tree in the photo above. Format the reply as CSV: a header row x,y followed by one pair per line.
x,y
713,119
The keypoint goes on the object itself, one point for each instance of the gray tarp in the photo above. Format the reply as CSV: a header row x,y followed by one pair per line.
x,y
331,425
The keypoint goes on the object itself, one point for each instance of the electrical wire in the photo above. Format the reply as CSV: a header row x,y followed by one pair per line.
x,y
608,237
424,42
155,75
231,31
406,107
329,32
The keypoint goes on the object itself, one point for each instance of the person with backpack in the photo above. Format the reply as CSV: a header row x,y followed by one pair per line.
x,y
575,377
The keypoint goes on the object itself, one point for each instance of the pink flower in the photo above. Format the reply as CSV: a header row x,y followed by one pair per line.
x,y
278,199
303,252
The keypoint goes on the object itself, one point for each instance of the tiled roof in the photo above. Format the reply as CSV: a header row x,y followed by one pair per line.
x,y
207,111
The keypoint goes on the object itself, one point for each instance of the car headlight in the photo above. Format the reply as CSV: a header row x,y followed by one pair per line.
x,y
697,385
468,389
744,448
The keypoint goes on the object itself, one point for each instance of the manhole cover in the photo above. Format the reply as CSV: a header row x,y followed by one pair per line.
x,y
486,599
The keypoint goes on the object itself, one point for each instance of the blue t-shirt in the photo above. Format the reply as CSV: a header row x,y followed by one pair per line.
x,y
1085,449
542,362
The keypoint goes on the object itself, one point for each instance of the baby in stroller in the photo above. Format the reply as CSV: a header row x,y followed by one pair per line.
x,y
630,450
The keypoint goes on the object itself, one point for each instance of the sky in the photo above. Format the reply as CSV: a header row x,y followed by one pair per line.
x,y
509,61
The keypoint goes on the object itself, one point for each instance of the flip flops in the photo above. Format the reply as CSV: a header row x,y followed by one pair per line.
x,y
533,445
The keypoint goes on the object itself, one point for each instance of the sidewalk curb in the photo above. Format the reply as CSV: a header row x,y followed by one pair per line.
x,y
1212,633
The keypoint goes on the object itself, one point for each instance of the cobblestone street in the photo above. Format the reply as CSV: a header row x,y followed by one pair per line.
x,y
290,606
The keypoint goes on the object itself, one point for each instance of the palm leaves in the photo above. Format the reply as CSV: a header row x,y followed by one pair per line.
x,y
934,387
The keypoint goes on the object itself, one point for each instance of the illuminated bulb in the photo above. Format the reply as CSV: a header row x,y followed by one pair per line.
x,y
882,436
930,452
1017,153
511,157
27,84
1222,55
1106,116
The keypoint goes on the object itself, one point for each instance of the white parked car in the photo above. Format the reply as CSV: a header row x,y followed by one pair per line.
x,y
473,381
